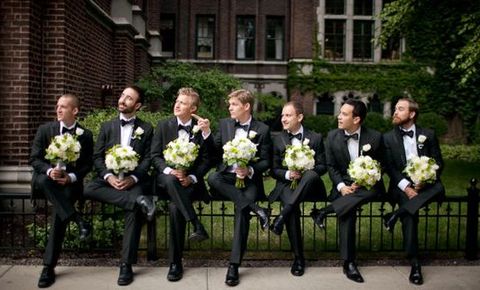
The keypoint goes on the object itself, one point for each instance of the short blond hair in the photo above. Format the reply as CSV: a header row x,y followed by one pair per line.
x,y
192,94
73,100
244,96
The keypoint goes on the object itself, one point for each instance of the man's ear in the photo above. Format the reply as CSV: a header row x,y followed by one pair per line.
x,y
138,106
356,120
412,115
75,111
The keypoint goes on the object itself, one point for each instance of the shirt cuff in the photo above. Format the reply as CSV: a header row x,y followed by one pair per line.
x,y
194,178
340,185
403,184
287,175
250,172
73,177
134,178
167,170
48,171
205,136
106,176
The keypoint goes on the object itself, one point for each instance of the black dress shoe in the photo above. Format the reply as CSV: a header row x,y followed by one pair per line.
x,y
318,216
389,221
199,234
175,272
352,273
47,277
85,230
298,267
277,225
264,216
416,275
126,274
232,276
147,206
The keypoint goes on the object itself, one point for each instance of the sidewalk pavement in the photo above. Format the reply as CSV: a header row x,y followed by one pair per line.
x,y
211,278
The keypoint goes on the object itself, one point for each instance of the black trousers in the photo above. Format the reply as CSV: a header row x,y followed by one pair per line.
x,y
100,190
63,199
224,184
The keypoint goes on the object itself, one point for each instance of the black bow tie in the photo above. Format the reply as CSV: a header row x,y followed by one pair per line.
x,y
238,125
187,128
408,133
129,122
70,131
353,136
298,136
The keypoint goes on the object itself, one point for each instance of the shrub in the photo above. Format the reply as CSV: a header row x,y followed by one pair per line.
x,y
461,152
376,121
321,123
433,121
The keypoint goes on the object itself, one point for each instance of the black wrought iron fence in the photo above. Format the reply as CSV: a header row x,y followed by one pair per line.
x,y
449,226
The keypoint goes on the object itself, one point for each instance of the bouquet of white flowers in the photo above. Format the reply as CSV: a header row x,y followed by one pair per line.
x,y
299,157
63,149
421,169
239,151
180,153
121,159
365,171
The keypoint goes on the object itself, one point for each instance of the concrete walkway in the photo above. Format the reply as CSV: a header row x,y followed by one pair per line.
x,y
203,278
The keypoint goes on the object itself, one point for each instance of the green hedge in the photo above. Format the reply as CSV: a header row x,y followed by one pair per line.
x,y
461,152
320,123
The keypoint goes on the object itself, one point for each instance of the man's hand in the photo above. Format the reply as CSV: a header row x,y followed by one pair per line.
x,y
410,192
63,180
346,190
179,174
203,124
242,172
56,173
186,181
118,184
295,175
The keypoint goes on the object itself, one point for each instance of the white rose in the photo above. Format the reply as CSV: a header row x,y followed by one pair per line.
x,y
195,129
366,147
306,141
79,131
139,131
252,134
422,138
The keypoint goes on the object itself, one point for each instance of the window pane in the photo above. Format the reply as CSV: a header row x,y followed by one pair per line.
x,y
334,39
167,34
245,37
205,36
363,7
362,40
392,49
335,7
275,41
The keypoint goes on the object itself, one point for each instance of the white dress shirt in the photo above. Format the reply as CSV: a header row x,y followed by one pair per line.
x,y
410,146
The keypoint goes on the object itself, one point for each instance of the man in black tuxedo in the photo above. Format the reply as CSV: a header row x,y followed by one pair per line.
x,y
61,186
242,124
127,193
182,185
310,185
405,141
345,144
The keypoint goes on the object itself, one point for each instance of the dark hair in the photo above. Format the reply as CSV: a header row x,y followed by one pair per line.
x,y
359,108
297,106
140,92
412,106
73,100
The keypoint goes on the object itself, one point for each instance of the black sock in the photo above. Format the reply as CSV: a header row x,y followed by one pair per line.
x,y
255,207
77,218
328,209
196,223
400,212
286,210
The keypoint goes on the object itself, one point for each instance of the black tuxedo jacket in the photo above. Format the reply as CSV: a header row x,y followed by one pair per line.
x,y
338,157
280,143
165,132
43,137
396,160
110,135
226,132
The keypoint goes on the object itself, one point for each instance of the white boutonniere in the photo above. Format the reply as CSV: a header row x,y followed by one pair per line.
x,y
195,129
306,141
421,139
252,134
79,131
138,133
365,148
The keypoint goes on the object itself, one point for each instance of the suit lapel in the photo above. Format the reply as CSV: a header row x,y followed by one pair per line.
x,y
399,141
420,146
172,132
116,131
230,129
54,130
342,146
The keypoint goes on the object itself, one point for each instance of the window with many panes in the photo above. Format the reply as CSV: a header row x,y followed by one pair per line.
x,y
275,38
362,40
362,7
167,34
334,39
245,48
205,36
